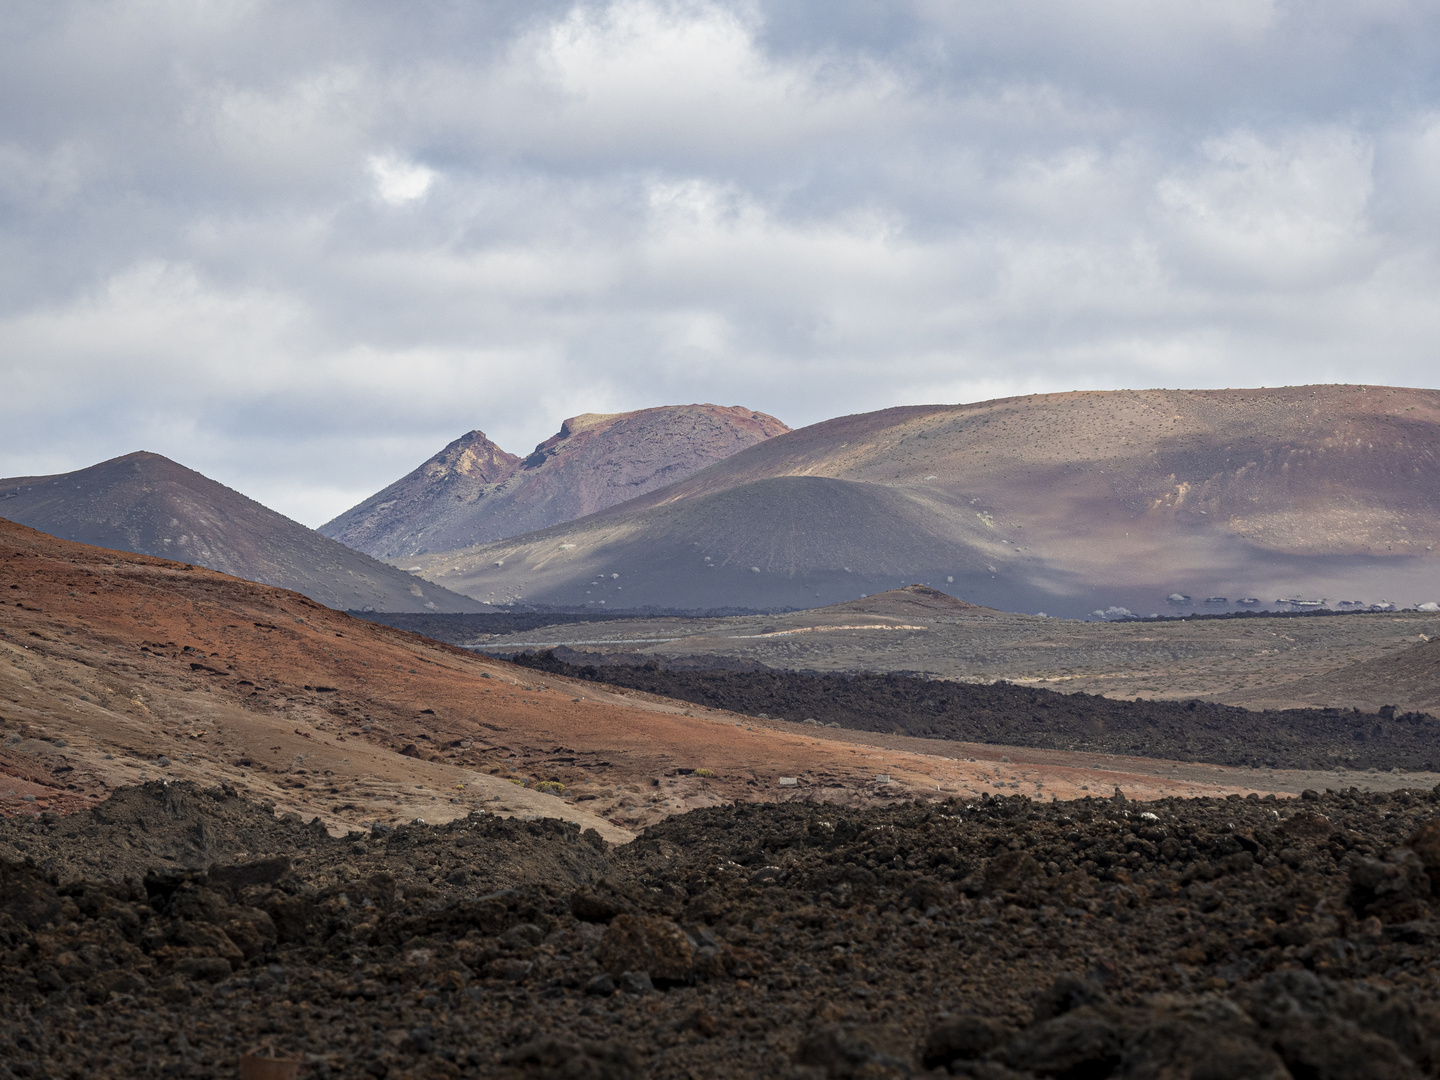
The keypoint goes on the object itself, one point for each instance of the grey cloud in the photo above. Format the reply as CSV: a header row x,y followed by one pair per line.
x,y
300,246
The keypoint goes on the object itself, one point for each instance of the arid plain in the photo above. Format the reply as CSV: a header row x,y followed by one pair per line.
x,y
1277,662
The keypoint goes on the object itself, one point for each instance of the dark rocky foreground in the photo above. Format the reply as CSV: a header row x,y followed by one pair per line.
x,y
1004,714
168,930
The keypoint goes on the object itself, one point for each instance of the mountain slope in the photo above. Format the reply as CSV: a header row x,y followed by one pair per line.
x,y
1061,502
148,504
474,492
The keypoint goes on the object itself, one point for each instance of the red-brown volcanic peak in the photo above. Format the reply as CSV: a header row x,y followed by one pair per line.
x,y
150,505
1064,503
472,456
473,492
449,487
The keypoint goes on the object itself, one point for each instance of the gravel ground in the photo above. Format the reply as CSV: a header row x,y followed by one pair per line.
x,y
171,929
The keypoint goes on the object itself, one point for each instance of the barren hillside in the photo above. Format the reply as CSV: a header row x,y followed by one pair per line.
x,y
1407,679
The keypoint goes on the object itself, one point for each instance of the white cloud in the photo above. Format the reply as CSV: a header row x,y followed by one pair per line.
x,y
398,182
1280,211
807,208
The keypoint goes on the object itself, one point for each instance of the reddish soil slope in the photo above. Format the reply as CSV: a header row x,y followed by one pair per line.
x,y
473,492
118,668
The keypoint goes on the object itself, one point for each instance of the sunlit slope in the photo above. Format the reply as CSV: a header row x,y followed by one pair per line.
x,y
1065,502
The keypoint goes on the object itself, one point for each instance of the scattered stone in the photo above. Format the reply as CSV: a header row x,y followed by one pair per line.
x,y
646,943
635,982
566,1059
869,1051
597,905
963,1038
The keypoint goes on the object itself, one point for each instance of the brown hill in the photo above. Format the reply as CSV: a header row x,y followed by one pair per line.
x,y
1064,503
118,668
473,492
148,504
1408,680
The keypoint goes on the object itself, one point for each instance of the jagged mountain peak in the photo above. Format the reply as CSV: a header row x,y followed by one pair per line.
x,y
473,492
473,456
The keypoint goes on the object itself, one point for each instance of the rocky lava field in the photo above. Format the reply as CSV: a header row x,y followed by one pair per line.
x,y
172,928
1009,715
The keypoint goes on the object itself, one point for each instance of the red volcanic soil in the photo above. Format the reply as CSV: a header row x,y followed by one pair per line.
x,y
118,668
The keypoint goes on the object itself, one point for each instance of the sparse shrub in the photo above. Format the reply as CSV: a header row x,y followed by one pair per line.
x,y
551,787
705,773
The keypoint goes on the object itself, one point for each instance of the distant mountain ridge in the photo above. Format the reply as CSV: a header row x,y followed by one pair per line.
x,y
1155,500
474,492
148,504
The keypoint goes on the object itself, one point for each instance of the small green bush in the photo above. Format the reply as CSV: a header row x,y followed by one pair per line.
x,y
706,773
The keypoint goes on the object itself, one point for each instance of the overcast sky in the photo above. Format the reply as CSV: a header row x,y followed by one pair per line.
x,y
300,245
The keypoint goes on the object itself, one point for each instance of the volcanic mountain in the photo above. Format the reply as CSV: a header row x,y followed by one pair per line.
x,y
1156,500
148,504
473,492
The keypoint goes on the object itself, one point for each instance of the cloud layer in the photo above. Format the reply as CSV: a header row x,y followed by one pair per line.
x,y
301,245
